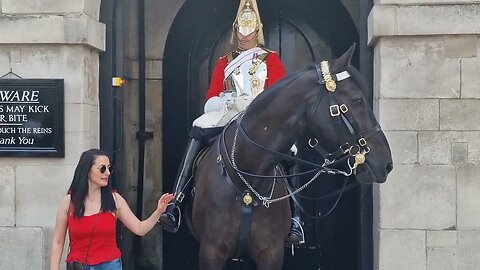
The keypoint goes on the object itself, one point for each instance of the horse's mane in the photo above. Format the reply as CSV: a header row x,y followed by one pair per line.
x,y
269,92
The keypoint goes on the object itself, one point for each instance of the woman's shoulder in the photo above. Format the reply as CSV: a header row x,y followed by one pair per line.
x,y
65,203
66,199
117,198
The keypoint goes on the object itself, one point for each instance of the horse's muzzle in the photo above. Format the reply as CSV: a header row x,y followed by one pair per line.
x,y
365,173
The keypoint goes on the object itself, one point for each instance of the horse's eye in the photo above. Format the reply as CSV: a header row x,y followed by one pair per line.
x,y
358,101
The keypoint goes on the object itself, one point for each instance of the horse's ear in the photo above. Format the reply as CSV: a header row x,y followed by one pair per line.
x,y
346,58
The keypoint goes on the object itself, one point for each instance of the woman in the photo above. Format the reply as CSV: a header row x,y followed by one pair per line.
x,y
90,211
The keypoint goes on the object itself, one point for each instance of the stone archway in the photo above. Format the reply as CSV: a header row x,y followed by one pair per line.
x,y
191,51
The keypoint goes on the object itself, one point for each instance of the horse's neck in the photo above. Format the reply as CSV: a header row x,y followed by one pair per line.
x,y
275,127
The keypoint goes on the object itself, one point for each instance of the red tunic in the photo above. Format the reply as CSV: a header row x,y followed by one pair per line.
x,y
103,245
275,71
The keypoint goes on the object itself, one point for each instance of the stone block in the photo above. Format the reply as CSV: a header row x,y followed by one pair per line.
x,y
154,104
7,196
403,145
444,258
460,46
52,29
459,152
470,78
78,66
132,71
32,29
435,147
42,6
468,247
418,197
462,256
468,189
441,238
401,249
4,59
154,69
21,248
460,114
78,117
381,22
409,114
438,147
414,67
422,18
39,190
438,19
92,8
15,55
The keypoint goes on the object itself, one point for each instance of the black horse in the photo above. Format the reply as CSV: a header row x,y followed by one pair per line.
x,y
326,100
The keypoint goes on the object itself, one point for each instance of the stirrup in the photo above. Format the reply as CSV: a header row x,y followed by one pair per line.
x,y
172,229
302,233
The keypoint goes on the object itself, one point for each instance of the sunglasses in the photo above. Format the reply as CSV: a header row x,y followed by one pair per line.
x,y
104,168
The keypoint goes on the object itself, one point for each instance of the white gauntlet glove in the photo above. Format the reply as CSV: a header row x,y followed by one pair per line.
x,y
228,100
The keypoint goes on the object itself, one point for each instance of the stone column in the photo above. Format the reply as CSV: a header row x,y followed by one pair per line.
x,y
47,39
426,88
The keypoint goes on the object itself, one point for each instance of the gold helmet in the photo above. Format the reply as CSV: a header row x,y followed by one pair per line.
x,y
248,21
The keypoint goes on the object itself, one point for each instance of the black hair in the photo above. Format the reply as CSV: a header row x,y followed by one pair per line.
x,y
79,187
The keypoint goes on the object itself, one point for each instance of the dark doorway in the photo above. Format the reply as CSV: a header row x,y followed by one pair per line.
x,y
303,32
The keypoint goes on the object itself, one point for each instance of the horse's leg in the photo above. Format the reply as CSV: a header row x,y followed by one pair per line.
x,y
211,257
271,259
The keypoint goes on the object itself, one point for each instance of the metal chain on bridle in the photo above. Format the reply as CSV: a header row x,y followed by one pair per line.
x,y
266,201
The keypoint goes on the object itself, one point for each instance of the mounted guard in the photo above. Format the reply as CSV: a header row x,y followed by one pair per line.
x,y
237,79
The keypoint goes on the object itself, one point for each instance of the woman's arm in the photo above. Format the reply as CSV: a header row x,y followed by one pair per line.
x,y
130,221
59,233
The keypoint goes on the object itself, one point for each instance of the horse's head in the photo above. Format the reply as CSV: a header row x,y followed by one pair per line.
x,y
344,124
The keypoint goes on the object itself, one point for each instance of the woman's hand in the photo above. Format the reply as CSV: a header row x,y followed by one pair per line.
x,y
163,202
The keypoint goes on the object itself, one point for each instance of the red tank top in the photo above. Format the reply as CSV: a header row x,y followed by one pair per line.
x,y
103,245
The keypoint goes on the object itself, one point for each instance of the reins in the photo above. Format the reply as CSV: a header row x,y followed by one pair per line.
x,y
340,116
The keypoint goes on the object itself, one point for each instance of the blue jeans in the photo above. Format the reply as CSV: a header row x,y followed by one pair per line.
x,y
111,265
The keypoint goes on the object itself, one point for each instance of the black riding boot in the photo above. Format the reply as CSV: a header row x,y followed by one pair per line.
x,y
172,216
296,235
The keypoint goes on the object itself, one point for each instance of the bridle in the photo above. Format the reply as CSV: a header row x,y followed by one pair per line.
x,y
355,141
354,145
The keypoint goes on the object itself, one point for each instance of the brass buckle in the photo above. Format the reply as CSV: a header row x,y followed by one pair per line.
x,y
334,110
362,142
180,197
343,108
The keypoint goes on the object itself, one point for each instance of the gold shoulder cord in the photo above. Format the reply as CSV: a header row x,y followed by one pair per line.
x,y
327,77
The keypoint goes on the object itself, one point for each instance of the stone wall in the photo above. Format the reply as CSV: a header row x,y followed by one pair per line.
x,y
428,101
47,39
159,16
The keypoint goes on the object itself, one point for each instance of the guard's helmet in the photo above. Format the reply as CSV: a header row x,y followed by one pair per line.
x,y
248,21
